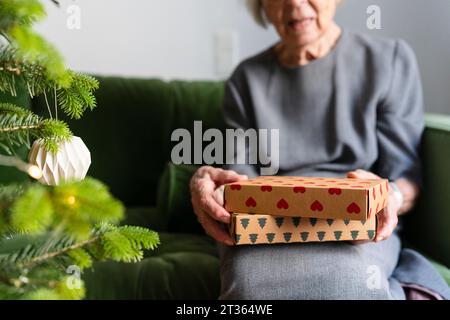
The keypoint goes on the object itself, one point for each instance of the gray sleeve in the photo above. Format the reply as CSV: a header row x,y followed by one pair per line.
x,y
400,120
236,117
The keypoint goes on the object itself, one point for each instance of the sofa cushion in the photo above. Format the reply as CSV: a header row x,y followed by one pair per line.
x,y
183,267
174,199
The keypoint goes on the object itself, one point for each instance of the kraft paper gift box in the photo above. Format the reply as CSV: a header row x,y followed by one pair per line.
x,y
267,229
309,197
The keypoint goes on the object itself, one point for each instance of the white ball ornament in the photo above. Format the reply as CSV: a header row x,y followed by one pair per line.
x,y
70,163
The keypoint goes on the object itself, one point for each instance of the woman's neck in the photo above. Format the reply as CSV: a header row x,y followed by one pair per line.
x,y
302,55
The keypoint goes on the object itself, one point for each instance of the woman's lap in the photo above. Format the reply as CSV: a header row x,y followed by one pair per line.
x,y
331,270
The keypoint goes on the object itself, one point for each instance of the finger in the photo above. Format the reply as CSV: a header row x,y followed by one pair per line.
x,y
215,229
218,195
362,174
213,209
387,221
199,186
220,176
352,174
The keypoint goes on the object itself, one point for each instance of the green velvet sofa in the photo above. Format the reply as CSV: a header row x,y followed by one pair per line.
x,y
129,136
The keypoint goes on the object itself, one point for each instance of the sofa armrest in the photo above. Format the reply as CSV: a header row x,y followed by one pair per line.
x,y
426,227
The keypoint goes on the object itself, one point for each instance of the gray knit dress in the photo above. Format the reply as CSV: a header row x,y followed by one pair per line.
x,y
359,107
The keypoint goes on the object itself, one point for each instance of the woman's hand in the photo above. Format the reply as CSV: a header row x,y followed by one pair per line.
x,y
207,200
388,217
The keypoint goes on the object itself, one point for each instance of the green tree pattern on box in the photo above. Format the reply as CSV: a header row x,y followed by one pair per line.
x,y
270,237
279,221
304,235
245,222
262,222
287,236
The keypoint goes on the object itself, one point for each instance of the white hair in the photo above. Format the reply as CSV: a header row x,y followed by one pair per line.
x,y
257,11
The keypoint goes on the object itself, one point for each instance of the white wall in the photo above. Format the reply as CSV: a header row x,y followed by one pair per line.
x,y
161,38
175,39
425,25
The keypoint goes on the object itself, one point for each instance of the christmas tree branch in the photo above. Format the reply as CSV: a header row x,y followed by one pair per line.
x,y
29,127
50,255
18,126
48,105
15,70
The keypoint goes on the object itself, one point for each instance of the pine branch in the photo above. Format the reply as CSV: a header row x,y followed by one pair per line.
x,y
79,96
33,212
37,251
85,203
21,12
34,74
18,126
119,243
124,244
51,255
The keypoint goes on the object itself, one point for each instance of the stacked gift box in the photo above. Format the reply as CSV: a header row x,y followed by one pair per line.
x,y
268,210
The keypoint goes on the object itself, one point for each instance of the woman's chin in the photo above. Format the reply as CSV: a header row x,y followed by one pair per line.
x,y
301,40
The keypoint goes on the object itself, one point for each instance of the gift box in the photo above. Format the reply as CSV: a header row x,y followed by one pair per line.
x,y
267,229
309,197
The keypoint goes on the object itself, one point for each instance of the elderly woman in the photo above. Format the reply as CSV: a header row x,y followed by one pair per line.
x,y
347,105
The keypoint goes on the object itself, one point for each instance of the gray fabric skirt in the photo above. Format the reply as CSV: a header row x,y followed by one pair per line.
x,y
329,270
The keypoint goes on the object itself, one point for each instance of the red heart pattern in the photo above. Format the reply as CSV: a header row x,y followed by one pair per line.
x,y
299,189
282,204
266,188
316,206
250,202
353,208
235,187
336,191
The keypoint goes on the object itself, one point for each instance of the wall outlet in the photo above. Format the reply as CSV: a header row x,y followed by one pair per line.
x,y
226,44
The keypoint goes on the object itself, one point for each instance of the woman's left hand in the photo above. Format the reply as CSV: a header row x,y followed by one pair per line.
x,y
388,217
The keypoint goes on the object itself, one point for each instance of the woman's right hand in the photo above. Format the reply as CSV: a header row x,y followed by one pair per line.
x,y
207,200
